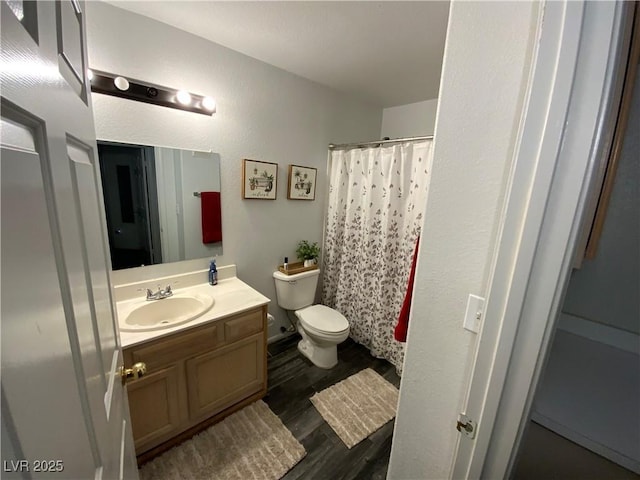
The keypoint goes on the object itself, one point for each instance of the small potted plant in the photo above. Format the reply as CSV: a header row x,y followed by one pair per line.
x,y
308,252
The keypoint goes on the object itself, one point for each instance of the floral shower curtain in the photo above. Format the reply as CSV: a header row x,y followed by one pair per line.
x,y
377,198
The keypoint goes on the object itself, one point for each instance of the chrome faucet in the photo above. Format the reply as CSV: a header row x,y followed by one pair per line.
x,y
160,294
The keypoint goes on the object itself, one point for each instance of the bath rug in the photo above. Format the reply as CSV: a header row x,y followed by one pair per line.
x,y
250,444
357,406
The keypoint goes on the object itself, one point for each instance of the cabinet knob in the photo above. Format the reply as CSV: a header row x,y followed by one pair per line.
x,y
138,370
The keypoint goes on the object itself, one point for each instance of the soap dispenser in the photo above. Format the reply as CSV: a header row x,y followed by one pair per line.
x,y
213,273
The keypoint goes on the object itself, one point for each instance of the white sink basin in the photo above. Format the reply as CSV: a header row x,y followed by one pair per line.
x,y
142,315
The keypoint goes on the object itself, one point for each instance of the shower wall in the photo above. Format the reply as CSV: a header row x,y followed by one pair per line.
x,y
412,120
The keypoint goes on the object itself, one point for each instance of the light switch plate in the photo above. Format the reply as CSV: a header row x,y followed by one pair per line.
x,y
473,315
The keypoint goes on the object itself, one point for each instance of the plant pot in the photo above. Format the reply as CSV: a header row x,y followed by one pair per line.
x,y
310,263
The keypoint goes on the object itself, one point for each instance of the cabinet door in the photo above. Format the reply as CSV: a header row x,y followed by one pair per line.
x,y
154,406
219,379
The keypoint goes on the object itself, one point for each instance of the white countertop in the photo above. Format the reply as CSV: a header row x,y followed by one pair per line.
x,y
231,296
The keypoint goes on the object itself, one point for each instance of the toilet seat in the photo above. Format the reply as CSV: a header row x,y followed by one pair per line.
x,y
322,320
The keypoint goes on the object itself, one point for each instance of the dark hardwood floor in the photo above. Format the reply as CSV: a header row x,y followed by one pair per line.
x,y
293,380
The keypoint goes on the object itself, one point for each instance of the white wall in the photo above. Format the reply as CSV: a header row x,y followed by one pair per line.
x,y
486,66
263,113
412,120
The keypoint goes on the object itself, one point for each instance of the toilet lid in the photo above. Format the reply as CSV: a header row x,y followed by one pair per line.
x,y
323,319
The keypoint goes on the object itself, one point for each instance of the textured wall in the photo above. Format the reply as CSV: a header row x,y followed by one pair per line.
x,y
412,120
486,66
264,113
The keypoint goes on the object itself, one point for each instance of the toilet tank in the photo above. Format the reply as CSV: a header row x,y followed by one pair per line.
x,y
296,291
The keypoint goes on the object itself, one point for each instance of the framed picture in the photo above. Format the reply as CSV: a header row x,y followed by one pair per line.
x,y
302,183
259,179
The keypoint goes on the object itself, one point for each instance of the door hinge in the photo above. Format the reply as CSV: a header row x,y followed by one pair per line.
x,y
466,426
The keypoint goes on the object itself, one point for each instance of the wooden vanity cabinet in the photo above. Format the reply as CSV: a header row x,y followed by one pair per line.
x,y
196,378
217,379
155,406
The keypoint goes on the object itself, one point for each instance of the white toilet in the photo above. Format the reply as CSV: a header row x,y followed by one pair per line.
x,y
322,328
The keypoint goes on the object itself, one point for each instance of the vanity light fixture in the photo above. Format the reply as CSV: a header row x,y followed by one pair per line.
x,y
209,104
121,83
131,89
183,97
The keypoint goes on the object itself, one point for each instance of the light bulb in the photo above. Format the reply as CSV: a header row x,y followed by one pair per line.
x,y
183,97
209,103
121,83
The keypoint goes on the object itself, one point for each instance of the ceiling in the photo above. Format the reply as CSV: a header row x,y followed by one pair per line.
x,y
386,53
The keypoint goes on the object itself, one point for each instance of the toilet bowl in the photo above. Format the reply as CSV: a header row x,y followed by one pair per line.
x,y
322,328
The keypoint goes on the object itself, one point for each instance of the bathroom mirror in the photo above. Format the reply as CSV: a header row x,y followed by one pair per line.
x,y
162,204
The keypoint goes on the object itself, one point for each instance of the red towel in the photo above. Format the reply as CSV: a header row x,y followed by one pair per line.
x,y
211,219
400,332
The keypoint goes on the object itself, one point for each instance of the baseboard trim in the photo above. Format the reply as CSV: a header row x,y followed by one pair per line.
x,y
598,332
595,447
279,336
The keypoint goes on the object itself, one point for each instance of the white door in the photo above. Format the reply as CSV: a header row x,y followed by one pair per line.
x,y
64,409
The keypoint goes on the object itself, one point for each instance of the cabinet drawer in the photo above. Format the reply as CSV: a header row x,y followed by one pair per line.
x,y
243,325
166,351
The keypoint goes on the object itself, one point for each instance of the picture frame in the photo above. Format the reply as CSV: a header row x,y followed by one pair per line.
x,y
259,180
302,183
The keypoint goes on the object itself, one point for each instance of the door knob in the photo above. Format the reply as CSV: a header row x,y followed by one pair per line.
x,y
136,371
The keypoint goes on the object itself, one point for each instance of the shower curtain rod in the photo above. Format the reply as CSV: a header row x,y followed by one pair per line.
x,y
379,142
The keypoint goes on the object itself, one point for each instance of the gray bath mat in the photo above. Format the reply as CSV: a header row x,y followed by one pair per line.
x,y
250,444
357,406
